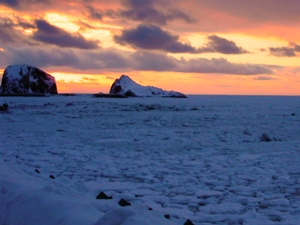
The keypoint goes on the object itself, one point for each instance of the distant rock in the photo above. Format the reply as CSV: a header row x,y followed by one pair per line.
x,y
26,80
125,86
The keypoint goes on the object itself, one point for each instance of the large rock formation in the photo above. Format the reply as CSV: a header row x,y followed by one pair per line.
x,y
25,80
125,86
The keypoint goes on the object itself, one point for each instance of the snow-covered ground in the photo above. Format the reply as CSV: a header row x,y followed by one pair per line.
x,y
200,160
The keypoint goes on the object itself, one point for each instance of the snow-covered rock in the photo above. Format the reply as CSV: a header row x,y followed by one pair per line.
x,y
127,87
25,79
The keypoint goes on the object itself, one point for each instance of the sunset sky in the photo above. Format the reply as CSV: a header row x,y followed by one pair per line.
x,y
193,46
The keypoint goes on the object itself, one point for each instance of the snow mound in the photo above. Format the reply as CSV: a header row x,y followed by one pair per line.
x,y
127,87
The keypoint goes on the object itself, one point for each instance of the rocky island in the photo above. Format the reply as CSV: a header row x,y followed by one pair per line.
x,y
126,87
25,80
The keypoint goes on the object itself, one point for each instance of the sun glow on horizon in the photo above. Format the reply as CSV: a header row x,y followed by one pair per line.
x,y
82,83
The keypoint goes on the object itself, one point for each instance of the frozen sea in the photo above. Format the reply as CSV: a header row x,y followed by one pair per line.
x,y
202,160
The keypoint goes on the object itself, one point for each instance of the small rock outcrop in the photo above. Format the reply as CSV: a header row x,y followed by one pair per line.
x,y
126,87
26,80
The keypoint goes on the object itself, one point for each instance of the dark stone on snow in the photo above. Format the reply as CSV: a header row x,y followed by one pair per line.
x,y
129,93
4,107
188,222
266,137
150,209
124,203
167,216
52,177
37,171
102,195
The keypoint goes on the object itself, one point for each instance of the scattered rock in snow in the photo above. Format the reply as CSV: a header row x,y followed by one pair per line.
x,y
188,222
52,177
102,195
266,137
247,132
123,202
208,194
167,216
4,107
37,171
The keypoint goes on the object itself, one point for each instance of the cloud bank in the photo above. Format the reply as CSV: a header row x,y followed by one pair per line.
x,y
152,37
288,51
221,45
113,59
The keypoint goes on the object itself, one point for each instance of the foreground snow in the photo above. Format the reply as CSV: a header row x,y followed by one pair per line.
x,y
204,158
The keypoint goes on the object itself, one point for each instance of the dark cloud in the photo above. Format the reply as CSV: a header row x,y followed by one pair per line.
x,y
222,66
95,14
221,45
163,62
7,32
138,4
265,78
25,24
80,59
50,34
148,11
153,61
10,32
11,3
21,4
289,51
153,38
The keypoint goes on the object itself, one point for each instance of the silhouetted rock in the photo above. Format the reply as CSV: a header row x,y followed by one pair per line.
x,y
52,177
27,80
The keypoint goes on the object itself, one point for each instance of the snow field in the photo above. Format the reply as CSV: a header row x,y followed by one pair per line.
x,y
200,158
